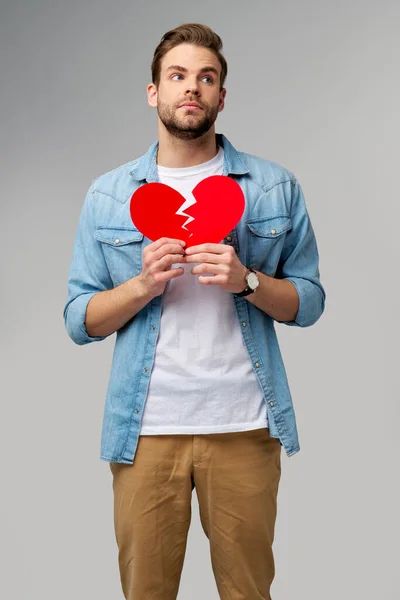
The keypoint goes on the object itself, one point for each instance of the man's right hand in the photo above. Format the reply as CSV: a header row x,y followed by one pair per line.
x,y
157,260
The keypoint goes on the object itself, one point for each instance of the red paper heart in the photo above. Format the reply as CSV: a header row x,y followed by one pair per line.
x,y
219,206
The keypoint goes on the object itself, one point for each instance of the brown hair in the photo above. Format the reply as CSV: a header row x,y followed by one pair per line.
x,y
188,33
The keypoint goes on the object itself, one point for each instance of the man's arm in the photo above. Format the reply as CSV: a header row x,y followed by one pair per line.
x,y
89,281
295,296
277,298
94,308
108,311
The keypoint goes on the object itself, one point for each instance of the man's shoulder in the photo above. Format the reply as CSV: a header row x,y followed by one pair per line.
x,y
116,180
118,171
266,173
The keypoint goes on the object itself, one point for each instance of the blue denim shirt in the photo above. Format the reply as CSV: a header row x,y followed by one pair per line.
x,y
274,236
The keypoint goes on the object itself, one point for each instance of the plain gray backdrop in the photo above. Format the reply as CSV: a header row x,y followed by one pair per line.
x,y
313,85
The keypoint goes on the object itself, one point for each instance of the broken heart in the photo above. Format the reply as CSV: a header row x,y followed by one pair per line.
x,y
219,207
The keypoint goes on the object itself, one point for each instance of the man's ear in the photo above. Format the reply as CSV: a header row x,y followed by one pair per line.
x,y
222,95
152,95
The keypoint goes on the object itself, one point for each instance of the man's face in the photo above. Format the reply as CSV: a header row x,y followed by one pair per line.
x,y
196,80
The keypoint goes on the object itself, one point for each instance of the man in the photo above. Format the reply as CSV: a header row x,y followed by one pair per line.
x,y
198,394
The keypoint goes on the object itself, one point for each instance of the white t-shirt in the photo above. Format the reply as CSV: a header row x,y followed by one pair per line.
x,y
202,379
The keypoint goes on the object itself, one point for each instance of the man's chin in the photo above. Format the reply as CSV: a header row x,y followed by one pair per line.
x,y
188,132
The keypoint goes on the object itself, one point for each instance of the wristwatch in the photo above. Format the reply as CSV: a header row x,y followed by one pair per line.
x,y
252,283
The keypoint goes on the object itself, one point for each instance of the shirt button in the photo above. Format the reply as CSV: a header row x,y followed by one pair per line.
x,y
145,369
257,364
153,328
244,323
117,241
136,410
273,230
271,403
229,239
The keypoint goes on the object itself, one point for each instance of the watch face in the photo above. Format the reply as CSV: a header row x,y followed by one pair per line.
x,y
252,280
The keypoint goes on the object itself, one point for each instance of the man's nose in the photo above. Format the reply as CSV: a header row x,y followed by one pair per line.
x,y
193,88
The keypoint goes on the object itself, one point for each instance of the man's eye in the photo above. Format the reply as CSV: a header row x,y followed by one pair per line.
x,y
205,77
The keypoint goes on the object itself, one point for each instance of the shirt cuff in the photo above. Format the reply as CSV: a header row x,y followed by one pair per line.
x,y
310,307
75,320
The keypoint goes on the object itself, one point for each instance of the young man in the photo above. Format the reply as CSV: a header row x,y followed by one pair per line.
x,y
198,394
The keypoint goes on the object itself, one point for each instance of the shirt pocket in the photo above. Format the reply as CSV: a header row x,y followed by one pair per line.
x,y
266,239
122,250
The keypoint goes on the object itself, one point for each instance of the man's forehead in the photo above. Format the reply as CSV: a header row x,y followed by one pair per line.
x,y
177,59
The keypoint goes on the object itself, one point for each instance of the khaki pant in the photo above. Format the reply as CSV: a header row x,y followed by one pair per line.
x,y
236,476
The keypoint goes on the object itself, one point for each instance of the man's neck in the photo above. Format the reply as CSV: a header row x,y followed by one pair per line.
x,y
175,153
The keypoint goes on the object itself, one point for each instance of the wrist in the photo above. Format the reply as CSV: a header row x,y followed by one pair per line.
x,y
140,289
251,283
243,281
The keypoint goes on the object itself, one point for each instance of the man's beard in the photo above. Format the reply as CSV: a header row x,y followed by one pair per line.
x,y
190,127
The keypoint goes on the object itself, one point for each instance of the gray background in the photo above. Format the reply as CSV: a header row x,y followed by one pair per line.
x,y
313,85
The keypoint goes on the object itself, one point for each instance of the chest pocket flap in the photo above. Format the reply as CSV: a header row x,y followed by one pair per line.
x,y
270,227
117,236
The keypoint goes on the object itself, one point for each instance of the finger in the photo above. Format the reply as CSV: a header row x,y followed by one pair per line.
x,y
169,273
166,249
203,257
166,262
209,268
213,248
172,273
216,280
161,241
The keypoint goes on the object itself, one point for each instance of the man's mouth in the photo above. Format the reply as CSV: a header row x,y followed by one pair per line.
x,y
191,106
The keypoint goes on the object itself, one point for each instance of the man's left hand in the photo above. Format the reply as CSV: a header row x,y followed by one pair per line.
x,y
221,261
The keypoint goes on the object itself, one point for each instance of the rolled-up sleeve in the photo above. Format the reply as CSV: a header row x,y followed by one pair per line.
x,y
88,274
300,262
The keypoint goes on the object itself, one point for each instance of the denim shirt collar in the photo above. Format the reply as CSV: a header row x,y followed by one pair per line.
x,y
146,167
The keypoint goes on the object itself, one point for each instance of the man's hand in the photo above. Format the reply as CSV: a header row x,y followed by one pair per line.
x,y
157,260
221,261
